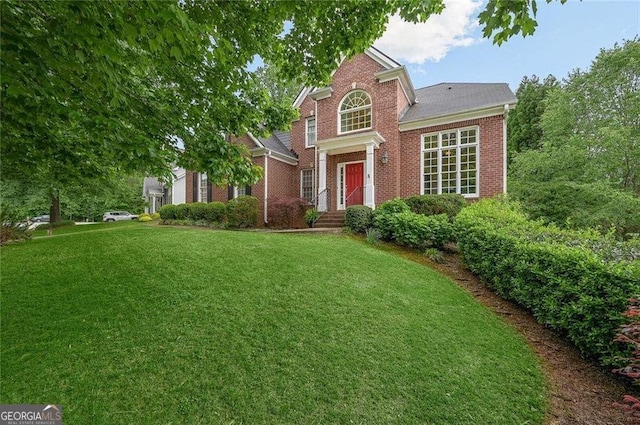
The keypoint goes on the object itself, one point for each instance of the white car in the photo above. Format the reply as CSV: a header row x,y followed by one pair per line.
x,y
118,216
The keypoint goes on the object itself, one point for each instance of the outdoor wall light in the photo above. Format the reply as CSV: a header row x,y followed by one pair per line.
x,y
385,157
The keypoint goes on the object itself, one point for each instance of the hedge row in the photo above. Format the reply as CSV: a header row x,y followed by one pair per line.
x,y
425,224
577,283
241,212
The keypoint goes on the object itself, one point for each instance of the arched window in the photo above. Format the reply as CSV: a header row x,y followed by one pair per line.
x,y
355,112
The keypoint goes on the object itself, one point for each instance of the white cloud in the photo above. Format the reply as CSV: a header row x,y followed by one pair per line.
x,y
431,41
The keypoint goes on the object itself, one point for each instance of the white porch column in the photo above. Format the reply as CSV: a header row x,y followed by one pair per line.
x,y
369,188
322,181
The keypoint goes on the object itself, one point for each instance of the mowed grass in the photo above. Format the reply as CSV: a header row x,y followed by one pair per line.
x,y
152,325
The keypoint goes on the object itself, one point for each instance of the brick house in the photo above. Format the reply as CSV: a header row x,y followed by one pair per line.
x,y
370,137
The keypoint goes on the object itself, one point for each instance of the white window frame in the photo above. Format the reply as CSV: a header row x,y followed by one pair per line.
x,y
313,183
341,112
237,190
439,149
202,177
310,143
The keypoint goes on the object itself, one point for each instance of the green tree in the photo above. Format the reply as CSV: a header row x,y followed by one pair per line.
x,y
280,90
591,126
94,89
523,123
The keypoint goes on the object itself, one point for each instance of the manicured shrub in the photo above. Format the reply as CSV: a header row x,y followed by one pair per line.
x,y
287,212
182,212
421,231
144,218
197,211
155,216
243,212
216,212
393,206
168,212
449,203
576,282
358,218
383,215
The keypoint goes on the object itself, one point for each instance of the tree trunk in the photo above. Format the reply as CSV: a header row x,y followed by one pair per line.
x,y
54,209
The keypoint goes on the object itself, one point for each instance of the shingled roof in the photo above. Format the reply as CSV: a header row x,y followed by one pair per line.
x,y
451,98
277,142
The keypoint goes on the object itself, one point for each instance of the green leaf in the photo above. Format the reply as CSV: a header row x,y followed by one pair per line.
x,y
176,53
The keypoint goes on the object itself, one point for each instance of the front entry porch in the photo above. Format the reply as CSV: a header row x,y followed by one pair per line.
x,y
354,180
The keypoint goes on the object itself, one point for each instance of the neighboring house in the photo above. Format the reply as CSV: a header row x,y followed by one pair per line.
x,y
370,137
156,193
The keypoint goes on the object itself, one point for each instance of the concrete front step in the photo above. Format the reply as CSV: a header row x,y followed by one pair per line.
x,y
331,220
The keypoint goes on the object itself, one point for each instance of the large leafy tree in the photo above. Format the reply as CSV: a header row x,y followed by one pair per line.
x,y
591,125
525,132
93,89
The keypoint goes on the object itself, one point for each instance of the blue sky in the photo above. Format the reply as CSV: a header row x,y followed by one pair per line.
x,y
568,36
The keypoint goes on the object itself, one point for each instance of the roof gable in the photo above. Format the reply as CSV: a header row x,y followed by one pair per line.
x,y
391,70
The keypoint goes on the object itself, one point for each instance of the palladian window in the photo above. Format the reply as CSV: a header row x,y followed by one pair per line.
x,y
355,112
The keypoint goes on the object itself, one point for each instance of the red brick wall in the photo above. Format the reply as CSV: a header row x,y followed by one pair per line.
x,y
388,102
491,155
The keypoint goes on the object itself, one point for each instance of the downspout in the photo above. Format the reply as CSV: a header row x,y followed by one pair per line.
x,y
315,151
266,184
504,148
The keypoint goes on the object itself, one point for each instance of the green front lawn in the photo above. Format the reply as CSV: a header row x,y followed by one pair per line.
x,y
148,325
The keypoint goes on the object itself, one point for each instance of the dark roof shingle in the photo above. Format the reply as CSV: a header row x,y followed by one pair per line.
x,y
277,142
451,98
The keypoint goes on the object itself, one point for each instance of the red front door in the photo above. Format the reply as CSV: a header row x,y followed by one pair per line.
x,y
354,182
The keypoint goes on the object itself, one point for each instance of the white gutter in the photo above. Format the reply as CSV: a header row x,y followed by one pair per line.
x,y
266,183
315,150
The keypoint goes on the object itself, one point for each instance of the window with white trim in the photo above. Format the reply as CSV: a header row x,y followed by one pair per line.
x,y
235,191
450,162
307,184
203,188
310,132
355,112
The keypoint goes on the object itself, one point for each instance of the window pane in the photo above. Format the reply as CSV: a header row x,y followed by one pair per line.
x,y
469,170
306,187
203,188
311,131
431,172
449,171
468,136
430,141
449,139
